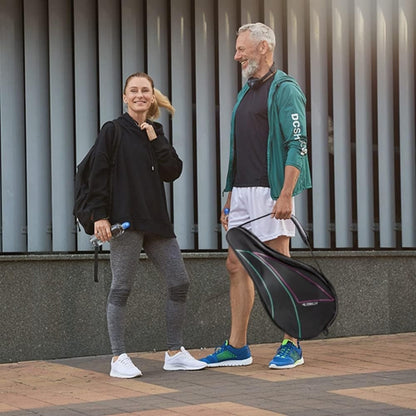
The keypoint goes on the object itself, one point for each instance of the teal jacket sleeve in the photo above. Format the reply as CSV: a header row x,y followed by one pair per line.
x,y
292,117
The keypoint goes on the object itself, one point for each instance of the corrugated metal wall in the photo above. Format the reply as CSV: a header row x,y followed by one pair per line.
x,y
62,67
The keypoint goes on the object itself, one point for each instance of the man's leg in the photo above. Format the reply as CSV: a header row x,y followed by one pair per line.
x,y
235,352
241,300
288,355
281,245
242,293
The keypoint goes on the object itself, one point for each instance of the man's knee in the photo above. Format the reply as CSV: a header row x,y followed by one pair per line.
x,y
233,265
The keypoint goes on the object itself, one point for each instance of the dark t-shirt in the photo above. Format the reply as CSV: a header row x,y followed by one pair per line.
x,y
251,132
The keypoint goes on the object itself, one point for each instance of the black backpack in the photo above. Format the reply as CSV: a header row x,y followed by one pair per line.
x,y
82,209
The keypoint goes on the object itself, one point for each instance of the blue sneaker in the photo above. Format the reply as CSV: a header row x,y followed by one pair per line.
x,y
287,356
228,356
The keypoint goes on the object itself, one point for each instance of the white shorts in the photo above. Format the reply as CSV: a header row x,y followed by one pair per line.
x,y
253,202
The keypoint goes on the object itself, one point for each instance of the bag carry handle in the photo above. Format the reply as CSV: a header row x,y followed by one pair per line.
x,y
295,221
300,229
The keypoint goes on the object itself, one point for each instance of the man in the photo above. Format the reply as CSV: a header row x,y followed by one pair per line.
x,y
268,167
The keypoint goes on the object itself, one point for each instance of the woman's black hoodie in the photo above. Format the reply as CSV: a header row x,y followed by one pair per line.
x,y
138,194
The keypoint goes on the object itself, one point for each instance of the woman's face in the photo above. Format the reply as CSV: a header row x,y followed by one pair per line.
x,y
138,95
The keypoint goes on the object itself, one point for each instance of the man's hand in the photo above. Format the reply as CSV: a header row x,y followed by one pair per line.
x,y
282,209
224,217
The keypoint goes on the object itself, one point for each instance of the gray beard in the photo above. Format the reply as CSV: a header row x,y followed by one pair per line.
x,y
251,69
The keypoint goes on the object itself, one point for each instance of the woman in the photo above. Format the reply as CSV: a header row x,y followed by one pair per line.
x,y
144,160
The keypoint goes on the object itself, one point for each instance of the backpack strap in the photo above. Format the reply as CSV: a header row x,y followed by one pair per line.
x,y
116,145
96,249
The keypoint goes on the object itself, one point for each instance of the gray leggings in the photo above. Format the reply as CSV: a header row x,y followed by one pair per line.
x,y
165,254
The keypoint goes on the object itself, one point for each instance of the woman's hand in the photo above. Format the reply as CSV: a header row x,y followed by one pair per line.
x,y
102,230
151,134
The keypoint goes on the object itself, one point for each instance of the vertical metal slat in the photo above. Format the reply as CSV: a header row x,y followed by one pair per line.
x,y
62,121
274,17
363,123
132,37
250,11
181,52
157,59
407,121
13,186
385,123
296,56
227,84
37,127
342,120
109,56
205,124
319,110
85,84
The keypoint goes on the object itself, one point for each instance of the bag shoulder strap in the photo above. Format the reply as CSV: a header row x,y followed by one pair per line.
x,y
116,145
117,139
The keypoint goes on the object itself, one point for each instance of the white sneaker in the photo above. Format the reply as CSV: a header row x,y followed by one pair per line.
x,y
123,367
182,361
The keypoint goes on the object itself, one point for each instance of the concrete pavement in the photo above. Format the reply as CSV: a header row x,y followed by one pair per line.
x,y
372,376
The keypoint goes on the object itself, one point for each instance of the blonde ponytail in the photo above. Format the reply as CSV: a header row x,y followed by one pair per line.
x,y
160,101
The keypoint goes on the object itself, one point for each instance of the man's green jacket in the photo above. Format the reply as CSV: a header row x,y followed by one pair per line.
x,y
287,135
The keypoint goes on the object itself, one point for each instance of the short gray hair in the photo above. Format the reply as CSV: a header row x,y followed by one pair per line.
x,y
259,32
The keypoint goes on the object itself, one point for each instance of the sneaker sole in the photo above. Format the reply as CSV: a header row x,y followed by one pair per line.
x,y
282,367
232,363
117,375
168,368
